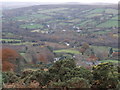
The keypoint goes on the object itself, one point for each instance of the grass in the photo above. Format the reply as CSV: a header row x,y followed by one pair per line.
x,y
74,20
102,48
67,51
93,15
32,26
109,23
17,44
102,32
9,34
10,40
86,10
72,51
116,35
113,61
99,10
41,16
25,43
111,11
21,18
84,22
22,54
88,22
116,17
65,24
35,31
53,21
30,17
50,13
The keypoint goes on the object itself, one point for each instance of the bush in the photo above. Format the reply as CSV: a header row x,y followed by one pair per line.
x,y
58,84
64,70
77,82
9,77
40,76
105,75
59,69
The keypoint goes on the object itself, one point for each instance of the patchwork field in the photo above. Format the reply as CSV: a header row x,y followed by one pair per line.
x,y
67,51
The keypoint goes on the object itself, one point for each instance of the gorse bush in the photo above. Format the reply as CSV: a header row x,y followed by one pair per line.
x,y
65,74
9,77
77,82
40,76
105,75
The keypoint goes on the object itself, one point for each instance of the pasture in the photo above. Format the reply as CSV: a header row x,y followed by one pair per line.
x,y
108,24
31,26
71,51
113,61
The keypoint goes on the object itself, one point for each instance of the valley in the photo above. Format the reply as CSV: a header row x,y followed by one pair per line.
x,y
41,36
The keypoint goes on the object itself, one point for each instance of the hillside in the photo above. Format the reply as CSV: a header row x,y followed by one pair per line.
x,y
68,45
58,20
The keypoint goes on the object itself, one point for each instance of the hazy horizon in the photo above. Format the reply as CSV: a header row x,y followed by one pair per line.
x,y
65,1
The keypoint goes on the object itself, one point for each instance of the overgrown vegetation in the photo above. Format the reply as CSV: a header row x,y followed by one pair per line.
x,y
65,74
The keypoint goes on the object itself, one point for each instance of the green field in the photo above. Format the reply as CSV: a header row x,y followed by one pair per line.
x,y
113,61
67,51
21,43
31,17
8,34
41,16
103,47
10,40
111,11
65,24
102,32
84,23
32,26
22,54
93,15
25,43
109,23
24,18
114,18
98,10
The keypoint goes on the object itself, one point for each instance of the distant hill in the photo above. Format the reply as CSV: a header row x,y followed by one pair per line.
x,y
12,5
61,22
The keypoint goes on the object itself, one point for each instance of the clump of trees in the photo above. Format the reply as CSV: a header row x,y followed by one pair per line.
x,y
84,47
8,56
11,60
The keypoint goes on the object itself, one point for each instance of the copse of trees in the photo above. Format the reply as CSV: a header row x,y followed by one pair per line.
x,y
84,47
11,60
8,56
